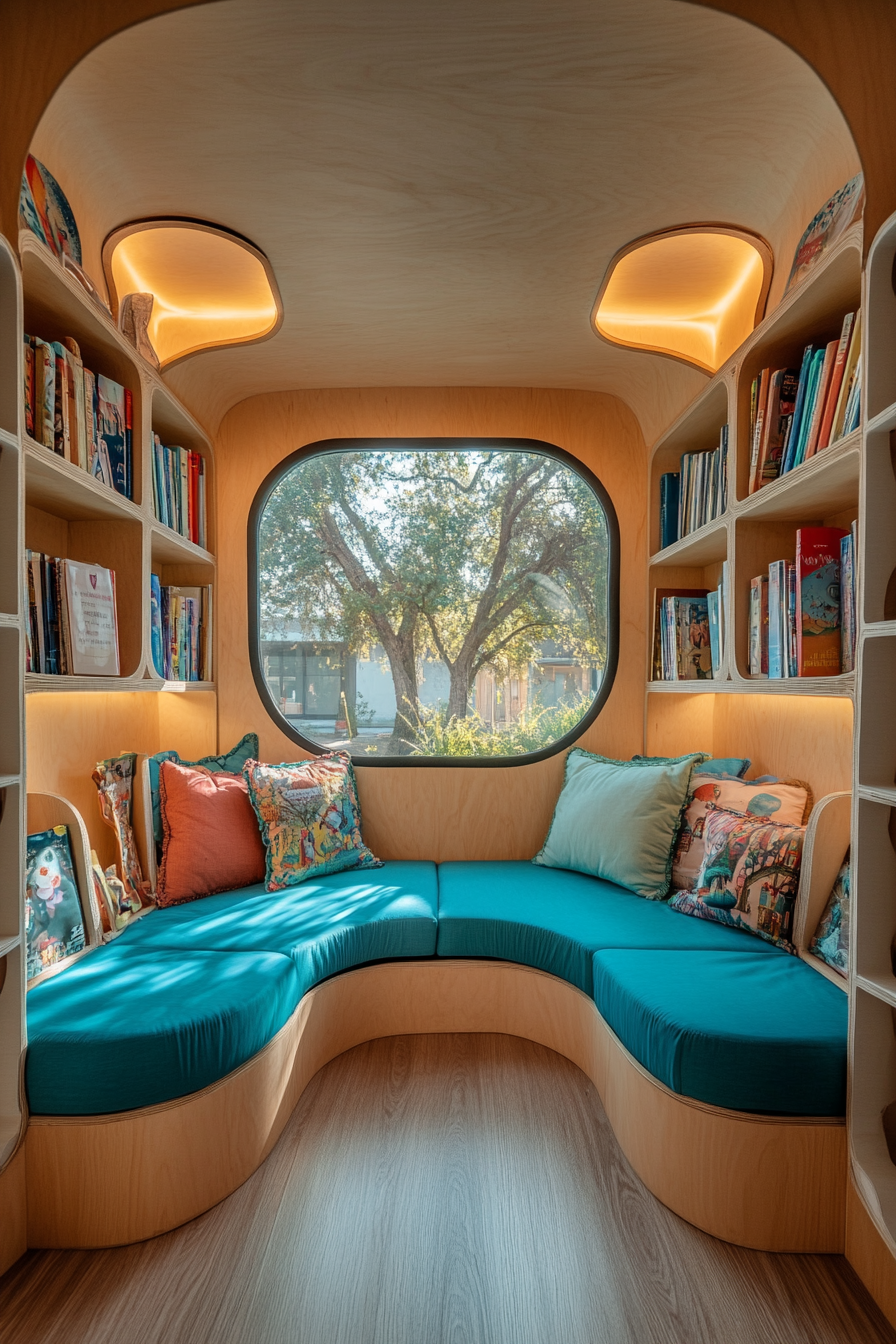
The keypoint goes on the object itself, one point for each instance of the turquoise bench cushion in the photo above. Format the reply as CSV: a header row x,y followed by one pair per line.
x,y
325,925
556,919
748,1033
124,1027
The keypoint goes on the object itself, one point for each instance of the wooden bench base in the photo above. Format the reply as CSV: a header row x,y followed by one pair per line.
x,y
769,1183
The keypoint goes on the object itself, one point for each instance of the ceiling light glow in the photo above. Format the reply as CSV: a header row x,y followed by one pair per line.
x,y
693,293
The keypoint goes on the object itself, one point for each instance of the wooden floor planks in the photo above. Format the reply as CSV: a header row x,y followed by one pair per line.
x,y
439,1190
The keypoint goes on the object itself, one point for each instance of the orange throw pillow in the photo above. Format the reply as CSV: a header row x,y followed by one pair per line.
x,y
211,838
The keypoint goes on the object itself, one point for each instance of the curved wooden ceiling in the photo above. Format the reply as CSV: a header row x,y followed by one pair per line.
x,y
440,189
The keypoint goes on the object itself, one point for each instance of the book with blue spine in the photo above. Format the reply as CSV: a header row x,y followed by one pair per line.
x,y
715,643
155,623
669,489
793,433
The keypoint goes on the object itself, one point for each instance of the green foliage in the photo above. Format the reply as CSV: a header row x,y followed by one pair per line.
x,y
535,729
477,557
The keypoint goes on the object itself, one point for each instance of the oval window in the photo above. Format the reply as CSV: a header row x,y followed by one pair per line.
x,y
433,601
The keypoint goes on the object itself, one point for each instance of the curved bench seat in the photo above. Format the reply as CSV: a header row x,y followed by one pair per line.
x,y
747,1033
125,1028
555,920
192,991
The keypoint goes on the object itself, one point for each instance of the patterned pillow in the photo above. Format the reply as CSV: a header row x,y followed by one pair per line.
x,y
309,817
783,802
229,763
831,940
750,876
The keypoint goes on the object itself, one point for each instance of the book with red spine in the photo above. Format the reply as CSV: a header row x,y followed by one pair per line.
x,y
28,375
128,444
827,422
781,400
818,601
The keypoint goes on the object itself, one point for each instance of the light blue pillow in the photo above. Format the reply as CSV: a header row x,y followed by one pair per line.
x,y
231,763
618,819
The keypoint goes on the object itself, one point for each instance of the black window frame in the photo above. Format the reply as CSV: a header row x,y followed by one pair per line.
x,y
408,443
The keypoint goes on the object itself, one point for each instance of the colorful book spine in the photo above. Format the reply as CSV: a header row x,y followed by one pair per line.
x,y
44,393
112,429
847,603
758,647
155,619
693,648
669,488
777,617
715,646
28,388
827,423
818,600
793,433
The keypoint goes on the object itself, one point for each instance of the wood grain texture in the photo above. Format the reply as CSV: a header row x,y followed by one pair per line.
x,y
13,1216
758,1181
838,42
461,182
869,1255
68,732
440,1188
435,813
824,849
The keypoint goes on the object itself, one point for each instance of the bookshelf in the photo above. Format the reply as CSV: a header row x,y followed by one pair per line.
x,y
756,529
12,760
872,1106
68,513
52,505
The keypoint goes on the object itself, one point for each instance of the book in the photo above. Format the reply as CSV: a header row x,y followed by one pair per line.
x,y
832,220
792,652
848,379
827,423
112,430
793,431
183,650
777,618
847,603
820,399
155,623
818,600
715,646
44,393
693,655
808,407
757,428
669,487
92,619
758,646
28,387
660,664
54,918
79,428
782,398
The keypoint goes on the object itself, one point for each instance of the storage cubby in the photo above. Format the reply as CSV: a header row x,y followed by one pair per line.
x,y
813,313
879,512
699,430
876,744
116,545
174,425
11,864
757,543
55,306
874,872
872,1099
700,570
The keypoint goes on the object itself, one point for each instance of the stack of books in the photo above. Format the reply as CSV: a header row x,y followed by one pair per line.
x,y
796,413
692,497
72,623
688,632
85,417
178,490
181,628
803,612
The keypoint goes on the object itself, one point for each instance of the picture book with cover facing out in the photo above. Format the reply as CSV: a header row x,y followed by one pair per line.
x,y
818,600
54,919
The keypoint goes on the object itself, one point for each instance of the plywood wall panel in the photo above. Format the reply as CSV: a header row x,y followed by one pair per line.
x,y
454,813
67,734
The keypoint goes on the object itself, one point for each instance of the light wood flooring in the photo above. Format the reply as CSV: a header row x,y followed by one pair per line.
x,y
439,1190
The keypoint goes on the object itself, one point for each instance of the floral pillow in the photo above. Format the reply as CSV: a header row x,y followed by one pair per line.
x,y
750,876
831,940
309,817
778,801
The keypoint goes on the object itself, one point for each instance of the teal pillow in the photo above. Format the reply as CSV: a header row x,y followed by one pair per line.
x,y
230,763
618,819
734,767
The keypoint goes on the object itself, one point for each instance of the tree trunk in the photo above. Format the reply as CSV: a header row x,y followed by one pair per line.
x,y
461,671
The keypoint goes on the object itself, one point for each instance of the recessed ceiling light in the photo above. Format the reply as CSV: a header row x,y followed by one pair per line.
x,y
210,287
693,293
